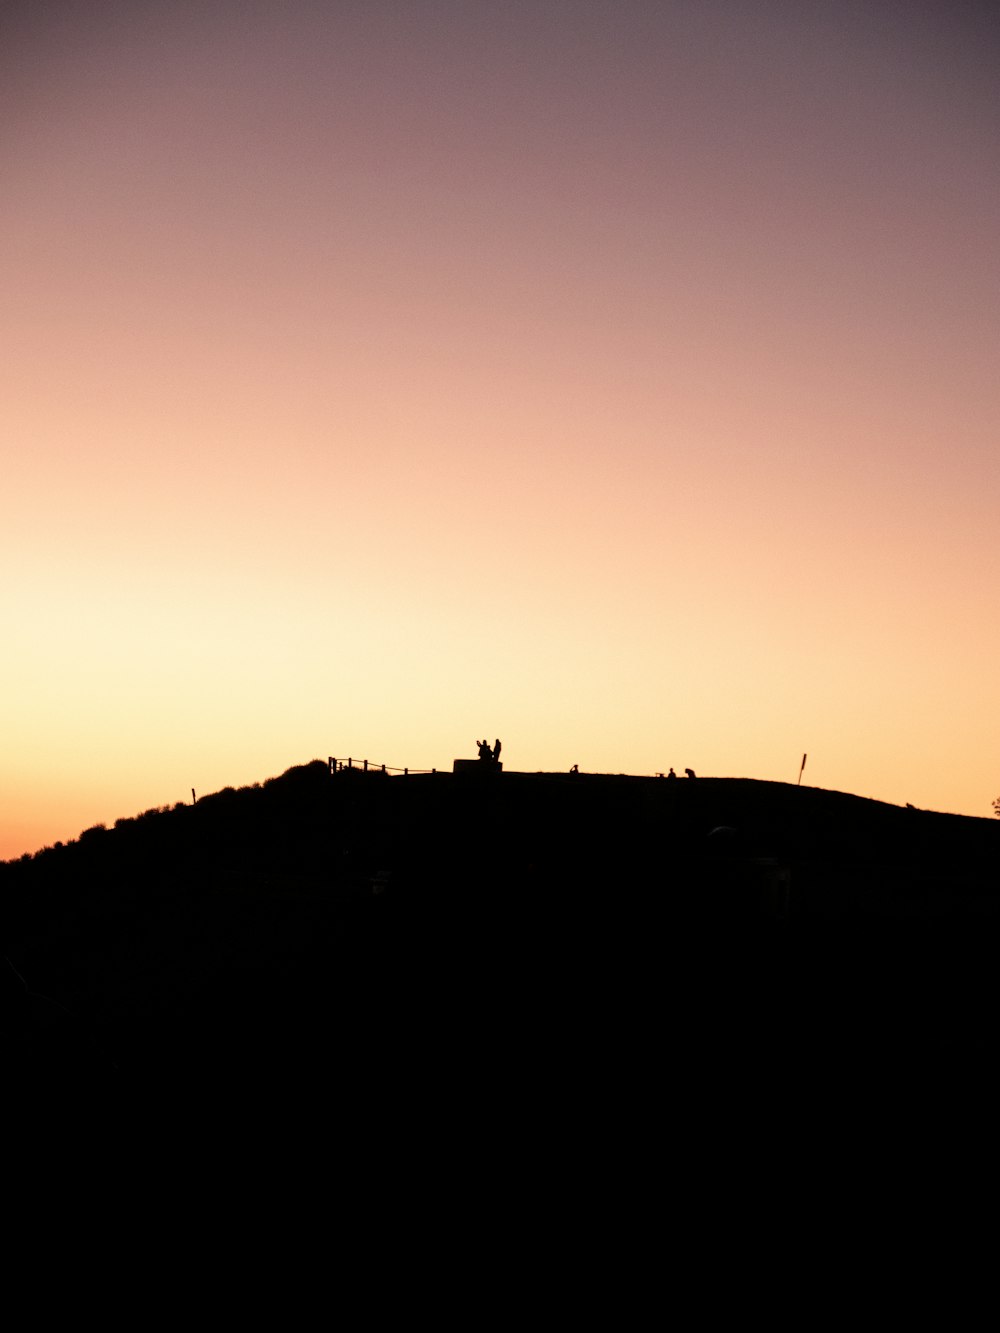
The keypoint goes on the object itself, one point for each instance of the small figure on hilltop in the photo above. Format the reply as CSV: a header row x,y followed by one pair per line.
x,y
575,768
484,750
496,751
690,772
671,776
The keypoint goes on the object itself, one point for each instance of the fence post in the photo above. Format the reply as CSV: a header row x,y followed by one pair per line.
x,y
365,765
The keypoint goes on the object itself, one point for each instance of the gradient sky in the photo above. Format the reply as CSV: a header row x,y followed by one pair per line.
x,y
619,379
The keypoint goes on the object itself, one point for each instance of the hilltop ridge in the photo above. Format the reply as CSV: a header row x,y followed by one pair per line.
x,y
185,936
844,854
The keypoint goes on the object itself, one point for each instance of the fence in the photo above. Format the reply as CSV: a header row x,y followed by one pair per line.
x,y
366,766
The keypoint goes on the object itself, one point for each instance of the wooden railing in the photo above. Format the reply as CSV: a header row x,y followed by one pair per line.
x,y
351,765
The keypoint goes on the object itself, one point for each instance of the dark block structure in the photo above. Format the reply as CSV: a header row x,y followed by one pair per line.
x,y
479,767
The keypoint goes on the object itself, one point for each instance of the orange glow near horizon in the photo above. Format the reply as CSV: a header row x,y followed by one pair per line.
x,y
619,381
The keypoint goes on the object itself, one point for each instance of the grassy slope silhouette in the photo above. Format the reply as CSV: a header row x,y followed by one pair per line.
x,y
318,923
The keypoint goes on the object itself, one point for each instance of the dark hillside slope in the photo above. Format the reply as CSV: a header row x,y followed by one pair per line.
x,y
319,923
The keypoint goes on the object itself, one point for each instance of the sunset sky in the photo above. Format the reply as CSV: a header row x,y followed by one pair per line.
x,y
618,379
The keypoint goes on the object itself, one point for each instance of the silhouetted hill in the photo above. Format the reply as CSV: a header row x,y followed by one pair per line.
x,y
319,922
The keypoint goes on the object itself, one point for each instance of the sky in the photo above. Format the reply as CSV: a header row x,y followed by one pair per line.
x,y
618,379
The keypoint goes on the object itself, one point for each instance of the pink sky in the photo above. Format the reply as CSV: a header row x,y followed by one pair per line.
x,y
616,379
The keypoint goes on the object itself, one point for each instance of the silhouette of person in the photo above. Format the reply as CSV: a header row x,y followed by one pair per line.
x,y
484,750
690,772
575,768
496,751
672,774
